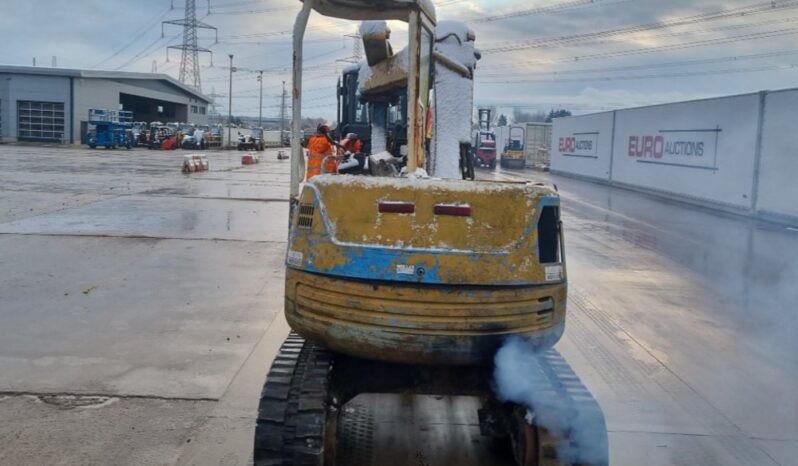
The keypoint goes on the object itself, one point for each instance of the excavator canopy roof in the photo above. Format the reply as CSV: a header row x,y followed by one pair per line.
x,y
367,10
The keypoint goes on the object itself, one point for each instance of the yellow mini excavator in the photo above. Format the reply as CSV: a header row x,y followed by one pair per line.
x,y
410,283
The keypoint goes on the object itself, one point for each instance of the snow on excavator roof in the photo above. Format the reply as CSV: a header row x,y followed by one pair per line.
x,y
362,10
424,184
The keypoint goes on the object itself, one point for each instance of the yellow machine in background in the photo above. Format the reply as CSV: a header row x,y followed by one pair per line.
x,y
514,155
412,284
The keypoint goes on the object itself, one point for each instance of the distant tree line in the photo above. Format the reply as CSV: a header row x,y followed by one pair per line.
x,y
519,116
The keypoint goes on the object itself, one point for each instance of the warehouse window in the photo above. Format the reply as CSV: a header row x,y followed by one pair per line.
x,y
194,109
202,110
40,121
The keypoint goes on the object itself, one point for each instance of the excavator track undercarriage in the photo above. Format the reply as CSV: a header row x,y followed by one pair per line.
x,y
307,387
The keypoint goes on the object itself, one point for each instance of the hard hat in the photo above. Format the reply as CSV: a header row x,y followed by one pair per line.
x,y
323,129
351,136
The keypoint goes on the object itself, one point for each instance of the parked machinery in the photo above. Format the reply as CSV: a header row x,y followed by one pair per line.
x,y
484,146
162,137
139,131
111,129
214,136
251,141
194,139
514,155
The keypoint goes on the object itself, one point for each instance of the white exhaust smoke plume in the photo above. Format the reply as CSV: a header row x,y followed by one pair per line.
x,y
520,376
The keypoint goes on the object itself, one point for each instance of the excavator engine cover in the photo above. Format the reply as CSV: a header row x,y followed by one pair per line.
x,y
425,271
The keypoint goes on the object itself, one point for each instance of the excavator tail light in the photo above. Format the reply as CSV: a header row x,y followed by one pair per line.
x,y
453,210
388,207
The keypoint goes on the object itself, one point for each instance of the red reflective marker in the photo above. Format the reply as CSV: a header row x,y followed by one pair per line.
x,y
388,207
455,210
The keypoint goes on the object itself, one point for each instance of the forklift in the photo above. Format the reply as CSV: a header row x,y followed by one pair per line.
x,y
484,146
411,284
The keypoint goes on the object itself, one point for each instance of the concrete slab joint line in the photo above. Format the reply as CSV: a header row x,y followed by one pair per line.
x,y
758,156
79,235
120,396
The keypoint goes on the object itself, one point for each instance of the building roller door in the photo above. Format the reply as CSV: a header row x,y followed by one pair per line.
x,y
40,121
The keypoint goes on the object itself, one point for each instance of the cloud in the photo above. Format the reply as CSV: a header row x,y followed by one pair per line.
x,y
75,33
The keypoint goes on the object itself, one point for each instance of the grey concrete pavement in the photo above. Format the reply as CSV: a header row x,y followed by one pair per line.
x,y
140,308
123,278
681,322
39,430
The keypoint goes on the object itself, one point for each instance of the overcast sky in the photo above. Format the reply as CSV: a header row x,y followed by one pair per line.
x,y
583,55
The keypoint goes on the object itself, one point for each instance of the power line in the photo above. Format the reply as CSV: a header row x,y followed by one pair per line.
x,y
673,34
667,47
237,3
753,9
576,4
267,34
136,38
146,51
278,69
252,12
330,88
705,61
684,74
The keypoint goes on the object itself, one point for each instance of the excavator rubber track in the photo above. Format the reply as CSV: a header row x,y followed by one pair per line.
x,y
571,429
297,416
292,413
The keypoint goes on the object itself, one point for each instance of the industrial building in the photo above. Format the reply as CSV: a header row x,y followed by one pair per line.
x,y
52,104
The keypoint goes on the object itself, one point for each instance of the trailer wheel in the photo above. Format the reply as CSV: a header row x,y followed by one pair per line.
x,y
296,424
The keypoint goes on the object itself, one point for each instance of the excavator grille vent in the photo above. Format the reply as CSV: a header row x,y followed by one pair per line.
x,y
306,216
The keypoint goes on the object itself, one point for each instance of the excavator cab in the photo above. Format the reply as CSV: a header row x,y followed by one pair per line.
x,y
395,71
409,283
357,112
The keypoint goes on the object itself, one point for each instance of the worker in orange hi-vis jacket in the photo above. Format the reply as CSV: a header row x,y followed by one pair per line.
x,y
352,144
320,146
